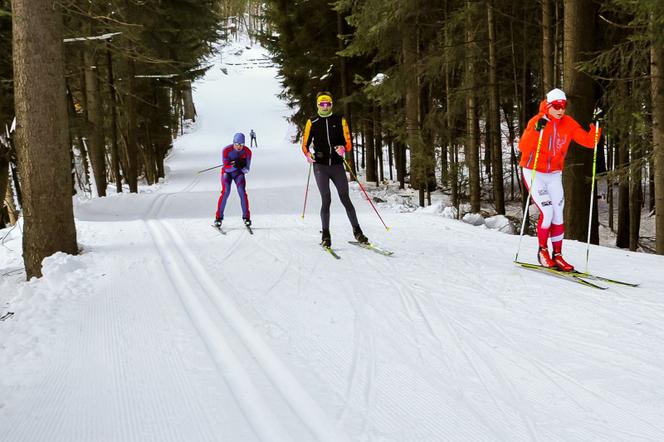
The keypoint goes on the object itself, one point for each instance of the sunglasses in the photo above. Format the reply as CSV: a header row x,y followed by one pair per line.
x,y
237,144
559,104
324,104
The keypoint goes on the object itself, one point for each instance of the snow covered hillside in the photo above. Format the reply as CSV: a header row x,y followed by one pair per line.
x,y
164,330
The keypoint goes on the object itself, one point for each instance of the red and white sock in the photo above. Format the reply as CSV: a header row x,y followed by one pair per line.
x,y
557,232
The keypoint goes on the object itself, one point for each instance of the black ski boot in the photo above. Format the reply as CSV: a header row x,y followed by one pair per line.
x,y
359,236
247,222
326,239
217,223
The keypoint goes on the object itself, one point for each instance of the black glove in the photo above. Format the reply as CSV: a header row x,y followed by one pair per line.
x,y
240,163
540,124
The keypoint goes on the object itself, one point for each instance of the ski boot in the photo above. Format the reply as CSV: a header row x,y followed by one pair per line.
x,y
359,236
544,258
247,222
561,264
217,223
326,239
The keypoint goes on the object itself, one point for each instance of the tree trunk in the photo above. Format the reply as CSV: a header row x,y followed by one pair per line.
x,y
657,82
635,195
344,79
472,148
609,179
42,132
94,123
412,107
494,117
4,184
400,159
378,135
548,42
364,151
131,174
390,157
511,137
622,234
370,149
188,101
449,132
115,157
12,212
579,37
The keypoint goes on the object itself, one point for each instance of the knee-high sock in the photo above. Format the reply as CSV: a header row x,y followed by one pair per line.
x,y
557,235
542,233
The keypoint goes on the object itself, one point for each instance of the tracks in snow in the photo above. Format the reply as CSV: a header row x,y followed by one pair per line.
x,y
266,385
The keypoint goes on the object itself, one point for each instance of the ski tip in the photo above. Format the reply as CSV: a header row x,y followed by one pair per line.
x,y
331,251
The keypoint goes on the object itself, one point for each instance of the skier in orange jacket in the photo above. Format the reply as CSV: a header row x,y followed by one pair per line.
x,y
547,187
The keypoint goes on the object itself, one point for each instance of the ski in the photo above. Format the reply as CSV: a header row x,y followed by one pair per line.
x,y
605,279
570,276
331,252
249,229
6,316
585,275
218,229
372,247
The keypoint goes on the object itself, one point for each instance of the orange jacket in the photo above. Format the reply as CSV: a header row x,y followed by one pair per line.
x,y
555,141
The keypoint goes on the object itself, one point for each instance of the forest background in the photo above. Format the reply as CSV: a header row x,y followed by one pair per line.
x,y
436,92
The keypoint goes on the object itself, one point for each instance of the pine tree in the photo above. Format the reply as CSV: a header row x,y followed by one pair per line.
x,y
41,135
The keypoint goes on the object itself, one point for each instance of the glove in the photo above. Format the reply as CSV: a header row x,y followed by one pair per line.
x,y
598,114
540,124
245,170
341,150
594,128
310,159
240,163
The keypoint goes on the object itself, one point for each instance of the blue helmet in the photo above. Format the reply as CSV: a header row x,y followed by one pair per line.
x,y
238,138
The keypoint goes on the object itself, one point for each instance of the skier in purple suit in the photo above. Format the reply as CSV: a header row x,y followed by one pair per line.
x,y
236,159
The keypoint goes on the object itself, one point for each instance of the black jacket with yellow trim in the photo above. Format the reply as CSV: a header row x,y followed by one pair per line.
x,y
325,133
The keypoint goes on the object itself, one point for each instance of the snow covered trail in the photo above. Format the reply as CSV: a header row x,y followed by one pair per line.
x,y
165,330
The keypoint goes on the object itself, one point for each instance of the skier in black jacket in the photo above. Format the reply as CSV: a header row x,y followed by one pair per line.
x,y
329,136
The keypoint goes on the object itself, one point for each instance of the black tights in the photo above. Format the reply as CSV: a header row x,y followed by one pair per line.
x,y
337,174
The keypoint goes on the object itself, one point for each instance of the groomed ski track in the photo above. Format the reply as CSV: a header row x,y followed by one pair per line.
x,y
165,330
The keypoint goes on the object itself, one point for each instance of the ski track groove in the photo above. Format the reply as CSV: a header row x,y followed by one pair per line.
x,y
261,419
409,299
53,396
363,365
546,368
512,391
556,338
307,274
298,399
432,332
102,324
288,264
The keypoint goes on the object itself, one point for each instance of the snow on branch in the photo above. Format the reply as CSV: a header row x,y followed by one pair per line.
x,y
96,37
157,76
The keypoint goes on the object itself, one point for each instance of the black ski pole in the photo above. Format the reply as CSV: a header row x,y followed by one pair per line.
x,y
209,168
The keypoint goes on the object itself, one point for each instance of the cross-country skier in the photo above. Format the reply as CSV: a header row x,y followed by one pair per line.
x,y
252,136
326,140
547,187
236,162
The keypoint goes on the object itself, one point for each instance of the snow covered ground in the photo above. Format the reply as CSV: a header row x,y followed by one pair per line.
x,y
164,330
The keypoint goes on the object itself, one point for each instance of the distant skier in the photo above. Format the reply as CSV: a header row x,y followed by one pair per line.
x,y
329,136
252,135
236,162
547,191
